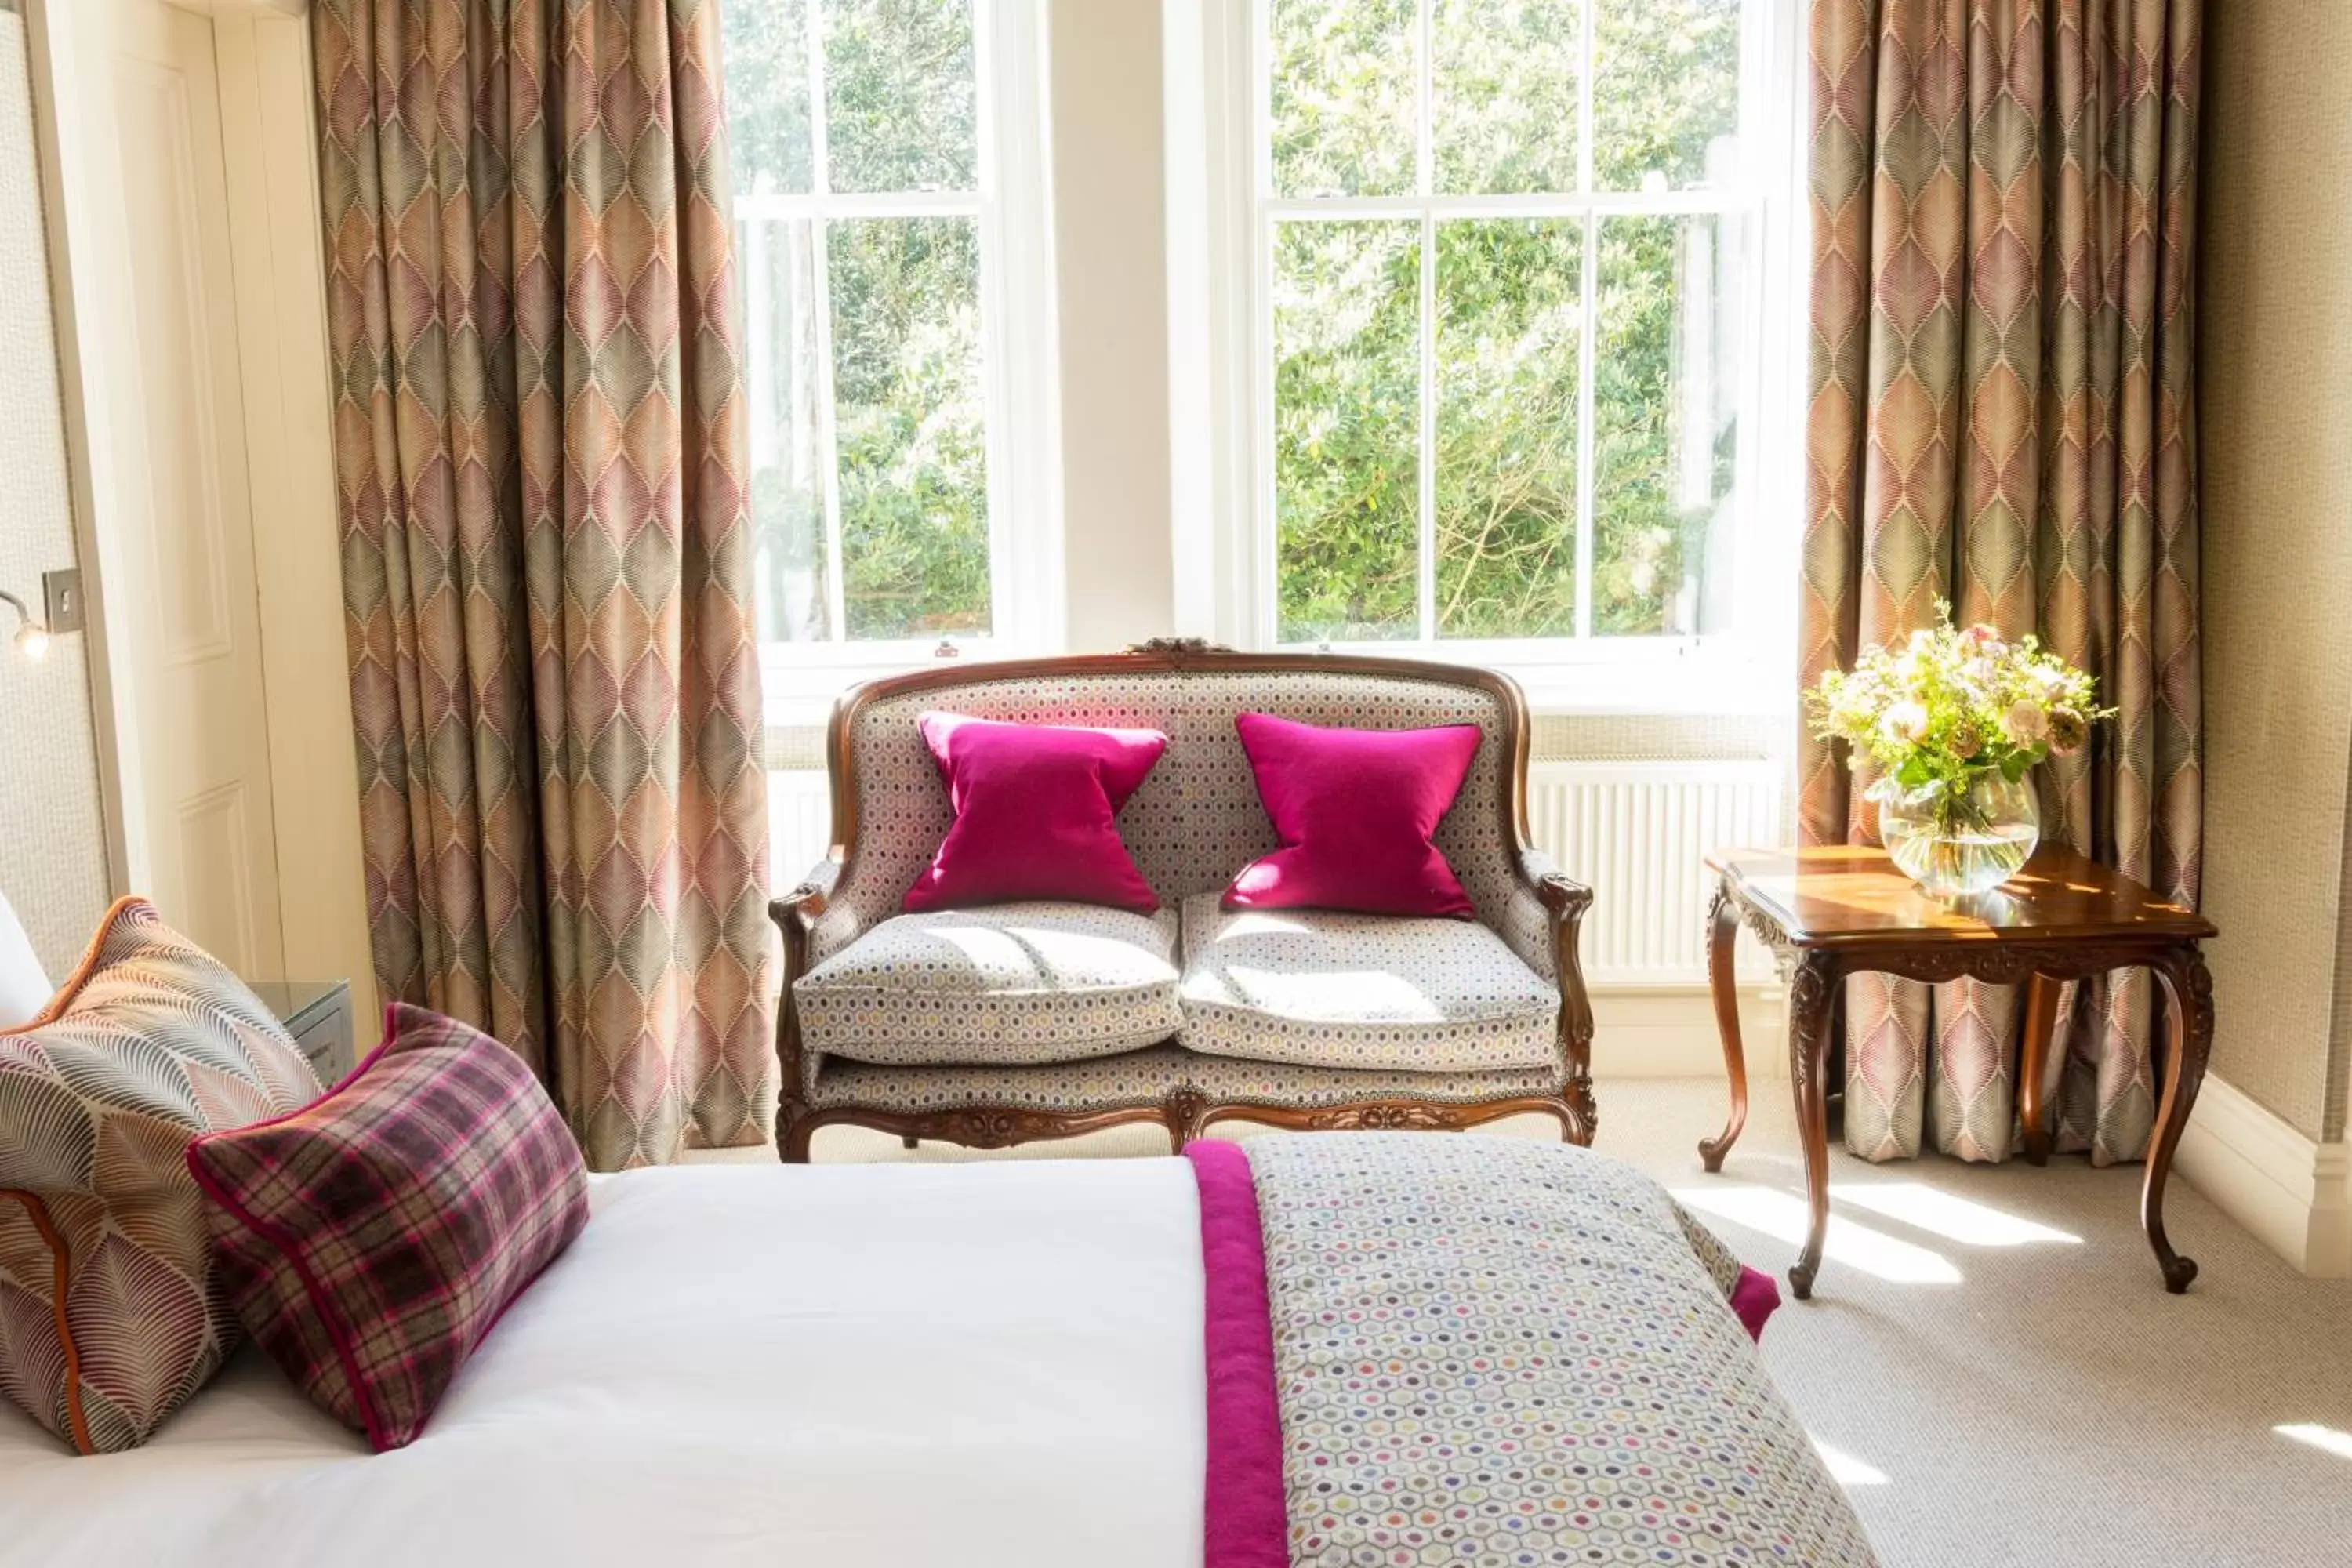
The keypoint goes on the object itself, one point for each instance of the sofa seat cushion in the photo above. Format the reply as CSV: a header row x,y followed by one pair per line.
x,y
1006,983
1326,989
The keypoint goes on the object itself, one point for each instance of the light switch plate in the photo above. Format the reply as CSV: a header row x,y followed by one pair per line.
x,y
61,600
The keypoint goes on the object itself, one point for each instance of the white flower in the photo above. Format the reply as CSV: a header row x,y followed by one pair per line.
x,y
2026,723
1903,721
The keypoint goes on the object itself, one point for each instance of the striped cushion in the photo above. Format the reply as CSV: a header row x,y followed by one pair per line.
x,y
109,1317
370,1240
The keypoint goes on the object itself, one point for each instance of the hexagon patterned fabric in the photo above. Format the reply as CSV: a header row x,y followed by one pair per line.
x,y
539,466
1492,1351
2003,415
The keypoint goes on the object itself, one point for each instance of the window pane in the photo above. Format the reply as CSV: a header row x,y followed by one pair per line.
x,y
767,94
1504,89
1342,97
778,260
1509,304
1665,423
1665,93
900,106
1347,309
907,423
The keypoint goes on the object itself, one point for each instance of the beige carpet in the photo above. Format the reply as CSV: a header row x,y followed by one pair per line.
x,y
1990,1358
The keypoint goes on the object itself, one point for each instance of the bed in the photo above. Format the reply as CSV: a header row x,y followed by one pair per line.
x,y
835,1366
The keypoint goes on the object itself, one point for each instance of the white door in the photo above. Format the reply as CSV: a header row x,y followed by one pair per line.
x,y
173,509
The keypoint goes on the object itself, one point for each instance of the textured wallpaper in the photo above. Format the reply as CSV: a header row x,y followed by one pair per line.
x,y
52,834
2276,335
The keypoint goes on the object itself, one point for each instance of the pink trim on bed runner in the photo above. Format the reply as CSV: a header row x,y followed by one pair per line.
x,y
1248,1524
1755,1299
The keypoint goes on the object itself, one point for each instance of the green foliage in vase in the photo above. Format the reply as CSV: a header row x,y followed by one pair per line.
x,y
1952,708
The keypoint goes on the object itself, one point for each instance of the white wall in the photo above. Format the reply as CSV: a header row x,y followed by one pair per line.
x,y
2268,1142
53,853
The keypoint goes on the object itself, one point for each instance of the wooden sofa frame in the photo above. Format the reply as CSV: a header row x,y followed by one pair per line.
x,y
1185,1111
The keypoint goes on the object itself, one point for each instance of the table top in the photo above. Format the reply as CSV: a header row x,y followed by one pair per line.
x,y
1850,896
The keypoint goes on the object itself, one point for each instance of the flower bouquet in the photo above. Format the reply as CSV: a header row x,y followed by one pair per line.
x,y
1955,720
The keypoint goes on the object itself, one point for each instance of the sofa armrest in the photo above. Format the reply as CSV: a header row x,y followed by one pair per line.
x,y
1541,896
1543,922
1558,892
810,897
796,914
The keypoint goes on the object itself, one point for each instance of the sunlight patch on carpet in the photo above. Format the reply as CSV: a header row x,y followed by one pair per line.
x,y
1956,1219
1844,1468
1782,1216
2327,1439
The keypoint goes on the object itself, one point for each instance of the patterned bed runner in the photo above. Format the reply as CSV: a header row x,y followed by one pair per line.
x,y
1436,1349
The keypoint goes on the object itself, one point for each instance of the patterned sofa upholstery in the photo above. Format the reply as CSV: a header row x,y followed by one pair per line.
x,y
991,1027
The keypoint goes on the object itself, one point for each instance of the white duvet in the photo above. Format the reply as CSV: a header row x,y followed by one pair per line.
x,y
802,1367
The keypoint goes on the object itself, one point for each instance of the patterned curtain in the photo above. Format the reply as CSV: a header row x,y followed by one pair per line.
x,y
2003,415
539,456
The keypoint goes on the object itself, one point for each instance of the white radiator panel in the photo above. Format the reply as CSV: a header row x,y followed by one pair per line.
x,y
1636,833
800,824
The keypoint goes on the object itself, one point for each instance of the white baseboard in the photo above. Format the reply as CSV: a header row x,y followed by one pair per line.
x,y
1671,1034
2293,1192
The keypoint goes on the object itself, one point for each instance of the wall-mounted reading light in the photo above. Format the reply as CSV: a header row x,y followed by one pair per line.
x,y
32,637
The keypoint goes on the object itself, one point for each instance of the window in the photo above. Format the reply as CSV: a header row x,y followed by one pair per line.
x,y
888,227
1507,261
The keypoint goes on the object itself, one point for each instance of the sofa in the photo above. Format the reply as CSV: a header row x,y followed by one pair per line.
x,y
999,1024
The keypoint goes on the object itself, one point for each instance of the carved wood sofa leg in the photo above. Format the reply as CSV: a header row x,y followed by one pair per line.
x,y
1186,1113
793,1129
1579,1117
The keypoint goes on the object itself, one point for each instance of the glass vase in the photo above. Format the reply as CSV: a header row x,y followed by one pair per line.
x,y
1969,841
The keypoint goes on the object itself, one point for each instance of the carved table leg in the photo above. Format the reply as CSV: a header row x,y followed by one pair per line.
x,y
1810,993
1723,933
2189,1007
2040,1022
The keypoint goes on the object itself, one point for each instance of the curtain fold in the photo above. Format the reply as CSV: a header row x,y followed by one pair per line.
x,y
2003,415
539,454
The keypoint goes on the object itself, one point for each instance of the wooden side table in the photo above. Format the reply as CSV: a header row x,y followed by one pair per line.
x,y
1841,910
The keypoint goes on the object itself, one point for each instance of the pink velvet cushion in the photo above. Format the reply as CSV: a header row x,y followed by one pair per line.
x,y
370,1240
1354,810
1036,808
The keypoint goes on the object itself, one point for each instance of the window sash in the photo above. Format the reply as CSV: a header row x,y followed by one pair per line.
x,y
1019,370
1745,198
1017,367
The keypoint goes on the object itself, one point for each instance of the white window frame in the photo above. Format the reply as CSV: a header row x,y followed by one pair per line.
x,y
1020,369
1221,210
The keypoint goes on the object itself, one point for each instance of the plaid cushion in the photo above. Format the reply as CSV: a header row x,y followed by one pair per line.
x,y
370,1240
108,1314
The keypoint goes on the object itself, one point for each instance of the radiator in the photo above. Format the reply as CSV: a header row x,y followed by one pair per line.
x,y
800,824
1634,832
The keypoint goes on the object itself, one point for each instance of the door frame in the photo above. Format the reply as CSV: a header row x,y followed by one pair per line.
x,y
270,152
